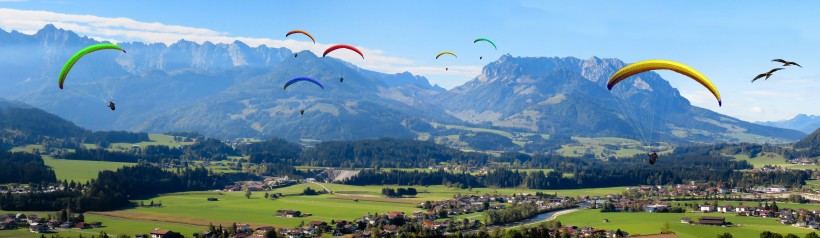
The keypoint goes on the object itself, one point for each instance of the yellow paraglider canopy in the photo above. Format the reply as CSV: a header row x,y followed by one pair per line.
x,y
647,65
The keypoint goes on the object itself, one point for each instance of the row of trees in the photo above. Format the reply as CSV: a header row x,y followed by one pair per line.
x,y
399,192
683,165
112,189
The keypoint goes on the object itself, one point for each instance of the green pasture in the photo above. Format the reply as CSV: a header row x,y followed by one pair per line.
x,y
651,223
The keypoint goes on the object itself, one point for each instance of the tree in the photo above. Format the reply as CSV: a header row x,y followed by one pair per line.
x,y
812,235
270,234
665,229
267,195
769,234
248,194
725,235
792,236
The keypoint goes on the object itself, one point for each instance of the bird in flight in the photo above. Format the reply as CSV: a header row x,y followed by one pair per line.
x,y
767,74
786,63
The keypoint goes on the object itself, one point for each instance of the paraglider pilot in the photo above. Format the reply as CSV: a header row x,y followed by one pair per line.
x,y
653,157
341,79
111,105
302,112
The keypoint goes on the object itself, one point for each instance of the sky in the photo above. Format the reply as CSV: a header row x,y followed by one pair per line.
x,y
729,42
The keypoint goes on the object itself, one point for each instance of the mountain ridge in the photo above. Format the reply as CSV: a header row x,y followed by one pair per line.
x,y
232,90
800,122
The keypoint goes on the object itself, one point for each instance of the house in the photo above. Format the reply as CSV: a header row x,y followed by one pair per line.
x,y
774,190
392,229
726,208
265,228
686,220
742,208
654,207
80,225
713,221
315,224
157,233
707,208
392,215
38,228
288,213
243,228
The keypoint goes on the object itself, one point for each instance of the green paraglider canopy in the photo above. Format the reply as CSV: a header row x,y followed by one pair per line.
x,y
76,57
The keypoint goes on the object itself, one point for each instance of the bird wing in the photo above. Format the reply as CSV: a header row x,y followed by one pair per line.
x,y
758,77
795,64
779,60
775,70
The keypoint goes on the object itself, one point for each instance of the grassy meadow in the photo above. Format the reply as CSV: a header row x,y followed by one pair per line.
x,y
80,170
651,223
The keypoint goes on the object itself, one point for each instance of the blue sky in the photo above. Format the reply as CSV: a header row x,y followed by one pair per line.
x,y
730,42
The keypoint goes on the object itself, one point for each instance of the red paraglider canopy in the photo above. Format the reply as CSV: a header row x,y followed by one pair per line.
x,y
340,46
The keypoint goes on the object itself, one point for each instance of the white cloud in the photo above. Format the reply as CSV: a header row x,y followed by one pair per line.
x,y
756,109
121,29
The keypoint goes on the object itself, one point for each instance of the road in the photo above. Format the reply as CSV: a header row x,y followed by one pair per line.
x,y
323,187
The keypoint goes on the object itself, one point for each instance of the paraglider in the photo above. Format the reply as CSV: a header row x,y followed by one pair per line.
x,y
648,65
76,57
342,46
446,53
653,157
646,121
786,63
766,74
111,105
303,33
488,41
300,79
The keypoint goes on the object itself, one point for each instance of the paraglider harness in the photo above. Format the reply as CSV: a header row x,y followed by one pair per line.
x,y
111,105
302,112
653,157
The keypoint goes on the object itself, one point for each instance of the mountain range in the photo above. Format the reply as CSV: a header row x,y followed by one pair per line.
x,y
801,122
234,90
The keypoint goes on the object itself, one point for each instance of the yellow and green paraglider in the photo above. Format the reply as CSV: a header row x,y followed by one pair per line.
x,y
648,65
76,57
446,53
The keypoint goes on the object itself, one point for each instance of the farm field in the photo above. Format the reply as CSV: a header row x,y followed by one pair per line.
x,y
80,170
155,139
650,223
194,208
190,212
439,192
111,225
597,145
